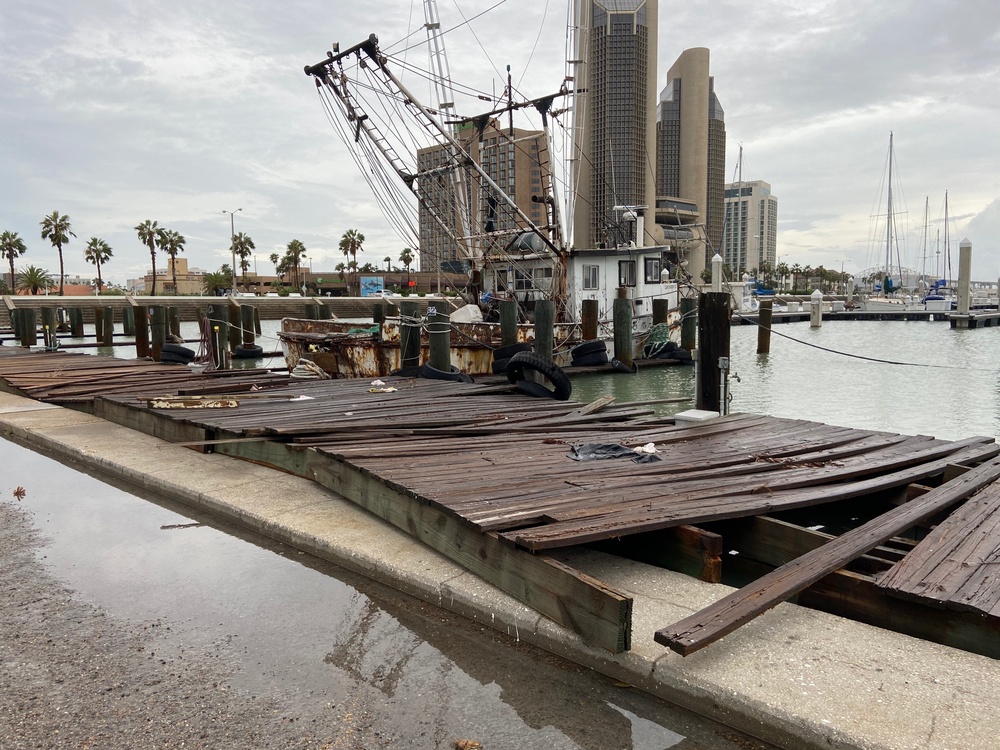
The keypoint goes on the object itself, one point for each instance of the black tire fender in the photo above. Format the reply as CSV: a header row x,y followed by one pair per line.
x,y
622,367
178,350
591,360
432,373
561,387
248,352
530,388
588,347
506,352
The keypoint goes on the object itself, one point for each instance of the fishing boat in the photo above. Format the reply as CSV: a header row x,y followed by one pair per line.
x,y
447,184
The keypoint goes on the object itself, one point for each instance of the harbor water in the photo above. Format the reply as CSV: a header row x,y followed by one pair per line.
x,y
910,377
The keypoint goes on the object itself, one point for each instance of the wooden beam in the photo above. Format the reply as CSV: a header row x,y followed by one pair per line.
x,y
598,613
729,613
686,549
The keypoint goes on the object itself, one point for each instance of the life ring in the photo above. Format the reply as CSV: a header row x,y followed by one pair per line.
x,y
561,388
432,373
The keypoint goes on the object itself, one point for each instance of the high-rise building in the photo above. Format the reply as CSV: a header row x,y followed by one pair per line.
x,y
750,239
616,120
513,161
691,146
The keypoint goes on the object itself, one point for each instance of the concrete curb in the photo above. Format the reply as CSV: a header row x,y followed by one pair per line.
x,y
795,677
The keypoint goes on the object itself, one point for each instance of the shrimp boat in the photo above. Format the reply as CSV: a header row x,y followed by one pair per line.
x,y
447,184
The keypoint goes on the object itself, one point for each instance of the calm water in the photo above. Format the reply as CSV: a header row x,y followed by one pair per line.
x,y
949,389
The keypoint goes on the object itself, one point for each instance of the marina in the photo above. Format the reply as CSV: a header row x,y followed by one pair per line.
x,y
445,461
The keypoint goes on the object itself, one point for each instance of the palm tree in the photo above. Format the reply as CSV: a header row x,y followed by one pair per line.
x,y
275,259
171,243
406,258
388,263
350,244
11,246
33,279
56,229
294,253
215,281
97,252
148,233
242,245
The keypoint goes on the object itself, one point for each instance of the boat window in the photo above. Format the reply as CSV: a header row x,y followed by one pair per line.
x,y
651,270
522,281
591,277
626,273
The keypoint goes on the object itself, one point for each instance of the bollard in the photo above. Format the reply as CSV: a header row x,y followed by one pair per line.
x,y
816,309
589,311
623,331
716,273
764,326
109,327
440,340
141,331
409,335
545,316
714,328
508,322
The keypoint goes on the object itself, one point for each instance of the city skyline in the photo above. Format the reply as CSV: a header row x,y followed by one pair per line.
x,y
115,115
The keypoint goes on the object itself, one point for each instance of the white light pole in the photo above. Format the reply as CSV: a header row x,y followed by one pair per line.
x,y
232,241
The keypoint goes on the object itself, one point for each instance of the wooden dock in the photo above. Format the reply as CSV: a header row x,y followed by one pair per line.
x,y
854,521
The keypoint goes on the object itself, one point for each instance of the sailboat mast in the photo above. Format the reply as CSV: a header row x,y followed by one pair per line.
x,y
947,243
923,260
888,222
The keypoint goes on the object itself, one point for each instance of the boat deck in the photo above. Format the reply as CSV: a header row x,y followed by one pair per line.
x,y
490,479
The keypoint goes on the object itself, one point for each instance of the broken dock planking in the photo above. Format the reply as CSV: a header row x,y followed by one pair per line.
x,y
483,476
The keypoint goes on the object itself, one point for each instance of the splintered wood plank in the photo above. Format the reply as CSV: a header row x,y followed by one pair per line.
x,y
597,612
957,565
729,613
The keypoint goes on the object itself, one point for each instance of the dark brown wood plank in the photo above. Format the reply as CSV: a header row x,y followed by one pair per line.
x,y
707,626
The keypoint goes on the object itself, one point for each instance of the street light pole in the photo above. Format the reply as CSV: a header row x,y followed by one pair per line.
x,y
232,242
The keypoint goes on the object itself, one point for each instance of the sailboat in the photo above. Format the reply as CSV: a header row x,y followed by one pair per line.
x,y
887,296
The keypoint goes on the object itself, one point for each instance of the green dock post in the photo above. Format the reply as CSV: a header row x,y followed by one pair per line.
x,y
508,322
128,321
174,321
764,326
158,332
246,323
27,328
713,350
440,341
622,317
409,335
689,323
99,324
545,317
235,338
76,322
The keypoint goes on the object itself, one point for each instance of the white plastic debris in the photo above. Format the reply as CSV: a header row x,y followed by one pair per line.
x,y
377,383
647,448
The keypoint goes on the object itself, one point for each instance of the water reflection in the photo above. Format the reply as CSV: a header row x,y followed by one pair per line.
x,y
311,636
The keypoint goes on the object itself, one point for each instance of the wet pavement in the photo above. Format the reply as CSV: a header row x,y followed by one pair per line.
x,y
296,651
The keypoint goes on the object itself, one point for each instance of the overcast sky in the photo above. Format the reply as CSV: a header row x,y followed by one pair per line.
x,y
116,112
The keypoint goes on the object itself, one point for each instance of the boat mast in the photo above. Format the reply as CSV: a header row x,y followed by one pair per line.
x,y
888,226
923,260
947,243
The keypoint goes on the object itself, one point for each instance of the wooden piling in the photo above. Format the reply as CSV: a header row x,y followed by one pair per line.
x,y
545,319
589,311
235,339
141,331
508,322
689,323
158,331
409,334
312,311
256,320
109,327
26,326
713,344
76,322
49,325
323,311
128,321
218,328
622,316
440,341
99,324
246,323
661,311
173,320
764,326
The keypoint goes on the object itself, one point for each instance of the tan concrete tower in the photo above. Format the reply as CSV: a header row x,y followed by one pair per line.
x,y
615,124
